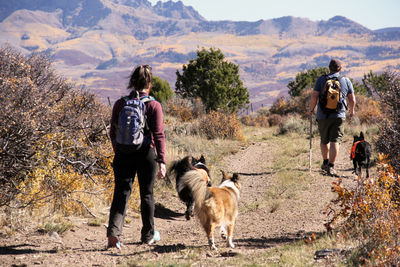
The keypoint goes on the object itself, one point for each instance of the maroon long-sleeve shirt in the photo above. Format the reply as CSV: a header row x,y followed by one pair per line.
x,y
154,116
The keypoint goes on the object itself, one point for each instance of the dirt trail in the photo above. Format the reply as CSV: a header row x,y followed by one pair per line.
x,y
261,223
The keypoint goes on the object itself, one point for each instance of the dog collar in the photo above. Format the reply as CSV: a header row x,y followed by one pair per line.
x,y
199,164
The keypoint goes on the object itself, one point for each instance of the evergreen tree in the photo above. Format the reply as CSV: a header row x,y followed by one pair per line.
x,y
374,82
161,89
213,79
305,80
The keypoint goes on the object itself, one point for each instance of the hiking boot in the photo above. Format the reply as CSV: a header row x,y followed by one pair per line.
x,y
156,237
332,172
113,242
324,167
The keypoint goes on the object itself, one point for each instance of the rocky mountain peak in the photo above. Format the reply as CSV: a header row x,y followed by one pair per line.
x,y
343,25
134,3
86,13
176,10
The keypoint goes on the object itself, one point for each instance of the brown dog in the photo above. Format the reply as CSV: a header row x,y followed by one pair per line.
x,y
215,206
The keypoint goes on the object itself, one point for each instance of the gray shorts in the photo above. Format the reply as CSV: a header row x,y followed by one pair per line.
x,y
331,130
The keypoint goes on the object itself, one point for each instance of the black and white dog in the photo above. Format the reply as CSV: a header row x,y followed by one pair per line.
x,y
180,168
360,154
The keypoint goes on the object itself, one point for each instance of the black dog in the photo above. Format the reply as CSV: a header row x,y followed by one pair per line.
x,y
179,168
360,154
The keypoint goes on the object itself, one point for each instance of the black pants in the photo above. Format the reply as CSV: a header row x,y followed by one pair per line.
x,y
143,163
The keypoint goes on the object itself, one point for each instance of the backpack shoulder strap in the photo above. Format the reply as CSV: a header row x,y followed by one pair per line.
x,y
147,98
333,77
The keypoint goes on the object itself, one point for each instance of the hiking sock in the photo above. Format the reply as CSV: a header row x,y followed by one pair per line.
x,y
326,161
331,165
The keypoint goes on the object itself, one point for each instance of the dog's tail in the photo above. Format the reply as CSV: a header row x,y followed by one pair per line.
x,y
194,179
180,166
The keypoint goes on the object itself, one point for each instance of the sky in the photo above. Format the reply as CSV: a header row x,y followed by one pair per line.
x,y
373,14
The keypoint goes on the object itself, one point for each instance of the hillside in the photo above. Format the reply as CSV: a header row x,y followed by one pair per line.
x,y
97,42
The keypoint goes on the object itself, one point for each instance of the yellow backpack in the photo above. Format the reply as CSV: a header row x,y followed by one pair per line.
x,y
331,99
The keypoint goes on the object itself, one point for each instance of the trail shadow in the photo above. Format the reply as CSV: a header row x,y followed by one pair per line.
x,y
301,169
161,249
169,248
90,249
165,213
117,253
346,177
264,242
229,254
19,249
255,173
340,175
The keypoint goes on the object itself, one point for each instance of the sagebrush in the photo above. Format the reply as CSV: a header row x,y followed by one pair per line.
x,y
54,148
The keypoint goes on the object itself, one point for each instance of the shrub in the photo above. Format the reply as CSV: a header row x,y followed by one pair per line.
x,y
368,110
161,90
294,124
175,126
371,216
259,120
221,125
279,106
264,112
185,109
247,120
301,103
275,120
388,141
53,138
296,104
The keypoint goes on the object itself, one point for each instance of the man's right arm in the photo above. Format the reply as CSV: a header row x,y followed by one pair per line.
x,y
352,104
314,100
351,97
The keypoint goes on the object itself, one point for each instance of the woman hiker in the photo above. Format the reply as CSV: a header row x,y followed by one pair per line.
x,y
142,159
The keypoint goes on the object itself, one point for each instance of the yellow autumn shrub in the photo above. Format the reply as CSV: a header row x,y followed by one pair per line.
x,y
370,214
368,110
56,153
221,125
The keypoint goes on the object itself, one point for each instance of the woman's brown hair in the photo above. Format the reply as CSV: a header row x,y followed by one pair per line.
x,y
140,78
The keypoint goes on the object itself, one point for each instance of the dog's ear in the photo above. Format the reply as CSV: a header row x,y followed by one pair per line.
x,y
193,160
223,176
202,159
355,137
361,135
235,177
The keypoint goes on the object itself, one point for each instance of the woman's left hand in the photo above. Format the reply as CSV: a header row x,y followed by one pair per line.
x,y
162,170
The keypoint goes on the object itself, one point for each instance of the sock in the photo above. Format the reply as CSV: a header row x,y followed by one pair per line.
x,y
331,165
325,162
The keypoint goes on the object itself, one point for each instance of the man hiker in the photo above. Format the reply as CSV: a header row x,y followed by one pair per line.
x,y
330,92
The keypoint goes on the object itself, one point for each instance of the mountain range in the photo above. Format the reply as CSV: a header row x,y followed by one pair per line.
x,y
96,43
